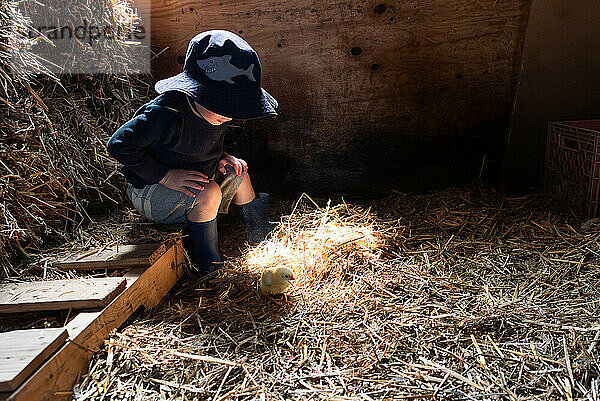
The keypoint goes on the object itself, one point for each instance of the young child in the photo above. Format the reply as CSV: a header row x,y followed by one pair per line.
x,y
172,154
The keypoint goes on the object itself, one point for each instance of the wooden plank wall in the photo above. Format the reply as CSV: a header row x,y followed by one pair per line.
x,y
559,81
411,92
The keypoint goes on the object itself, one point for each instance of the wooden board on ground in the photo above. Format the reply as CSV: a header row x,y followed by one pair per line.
x,y
59,294
113,257
23,351
87,331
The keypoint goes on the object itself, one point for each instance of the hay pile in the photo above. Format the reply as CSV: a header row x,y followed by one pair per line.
x,y
466,296
55,173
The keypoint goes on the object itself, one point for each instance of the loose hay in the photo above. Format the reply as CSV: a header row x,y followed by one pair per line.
x,y
472,296
315,242
55,173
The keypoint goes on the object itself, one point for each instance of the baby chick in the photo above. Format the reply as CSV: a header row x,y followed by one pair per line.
x,y
275,280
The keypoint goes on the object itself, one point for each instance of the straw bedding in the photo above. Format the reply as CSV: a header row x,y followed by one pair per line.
x,y
448,295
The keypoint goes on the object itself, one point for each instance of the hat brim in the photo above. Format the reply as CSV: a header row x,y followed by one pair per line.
x,y
236,103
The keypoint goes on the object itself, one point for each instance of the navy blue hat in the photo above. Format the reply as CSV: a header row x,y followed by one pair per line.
x,y
222,73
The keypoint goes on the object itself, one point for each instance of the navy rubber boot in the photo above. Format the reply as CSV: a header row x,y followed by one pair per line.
x,y
204,240
255,216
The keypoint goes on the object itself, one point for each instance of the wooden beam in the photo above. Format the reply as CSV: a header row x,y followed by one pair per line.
x,y
113,257
54,380
59,294
23,351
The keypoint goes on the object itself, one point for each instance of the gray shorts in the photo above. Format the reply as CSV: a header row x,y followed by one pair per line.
x,y
164,205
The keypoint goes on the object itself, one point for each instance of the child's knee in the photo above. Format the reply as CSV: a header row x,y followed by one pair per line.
x,y
209,198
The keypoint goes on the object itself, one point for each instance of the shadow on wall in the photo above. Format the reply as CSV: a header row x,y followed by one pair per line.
x,y
559,81
369,165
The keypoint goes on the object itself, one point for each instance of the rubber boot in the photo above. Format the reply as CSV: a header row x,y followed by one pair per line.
x,y
255,216
204,240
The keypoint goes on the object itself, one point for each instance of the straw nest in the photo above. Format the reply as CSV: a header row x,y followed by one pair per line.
x,y
55,173
449,295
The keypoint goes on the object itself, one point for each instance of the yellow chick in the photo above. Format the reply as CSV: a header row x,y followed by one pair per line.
x,y
275,280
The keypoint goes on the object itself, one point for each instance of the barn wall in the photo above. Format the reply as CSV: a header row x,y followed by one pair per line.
x,y
559,81
373,94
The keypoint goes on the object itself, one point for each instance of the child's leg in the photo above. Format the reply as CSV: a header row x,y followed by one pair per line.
x,y
165,205
245,192
254,211
202,223
206,204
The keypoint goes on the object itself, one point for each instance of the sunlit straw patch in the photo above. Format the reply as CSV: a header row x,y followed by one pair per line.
x,y
315,241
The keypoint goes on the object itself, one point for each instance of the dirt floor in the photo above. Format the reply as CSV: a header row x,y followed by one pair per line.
x,y
471,296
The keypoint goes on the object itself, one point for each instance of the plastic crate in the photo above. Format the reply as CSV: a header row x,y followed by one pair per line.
x,y
573,165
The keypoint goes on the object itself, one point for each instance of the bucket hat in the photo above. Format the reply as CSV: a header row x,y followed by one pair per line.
x,y
222,73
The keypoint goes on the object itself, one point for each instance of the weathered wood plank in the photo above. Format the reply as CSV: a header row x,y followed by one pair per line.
x,y
54,379
113,257
59,294
23,351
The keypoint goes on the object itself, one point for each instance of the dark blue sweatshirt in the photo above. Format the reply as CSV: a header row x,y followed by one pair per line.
x,y
166,134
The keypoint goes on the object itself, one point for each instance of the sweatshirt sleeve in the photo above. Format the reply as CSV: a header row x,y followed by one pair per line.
x,y
131,144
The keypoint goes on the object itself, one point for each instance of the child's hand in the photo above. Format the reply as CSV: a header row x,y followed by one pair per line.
x,y
239,165
180,180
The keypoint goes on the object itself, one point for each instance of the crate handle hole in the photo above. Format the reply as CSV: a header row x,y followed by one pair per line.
x,y
571,144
